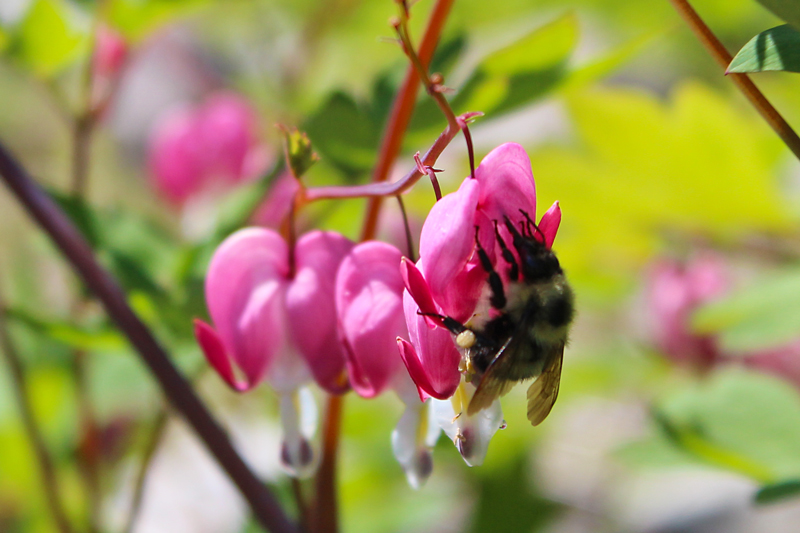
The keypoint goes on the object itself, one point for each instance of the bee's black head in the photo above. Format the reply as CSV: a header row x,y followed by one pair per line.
x,y
538,263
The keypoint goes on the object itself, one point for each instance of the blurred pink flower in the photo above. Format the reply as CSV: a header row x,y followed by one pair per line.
x,y
108,60
369,300
449,280
194,149
110,52
674,291
275,326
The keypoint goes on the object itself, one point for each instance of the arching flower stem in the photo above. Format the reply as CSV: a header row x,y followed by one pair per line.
x,y
383,189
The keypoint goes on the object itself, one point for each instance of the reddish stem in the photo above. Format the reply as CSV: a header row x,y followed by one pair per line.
x,y
742,81
401,113
326,514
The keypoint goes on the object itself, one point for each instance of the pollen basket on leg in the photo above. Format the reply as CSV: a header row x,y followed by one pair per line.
x,y
466,339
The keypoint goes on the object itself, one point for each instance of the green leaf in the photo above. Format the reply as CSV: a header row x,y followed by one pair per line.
x,y
625,173
786,10
507,502
48,40
778,492
134,249
763,315
102,338
775,49
136,19
743,421
4,40
447,54
345,133
80,213
541,49
692,441
521,72
610,61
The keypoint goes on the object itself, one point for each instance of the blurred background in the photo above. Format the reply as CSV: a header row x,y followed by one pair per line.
x,y
679,407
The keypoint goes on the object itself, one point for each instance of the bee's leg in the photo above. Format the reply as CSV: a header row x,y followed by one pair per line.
x,y
513,271
531,225
454,326
498,298
519,239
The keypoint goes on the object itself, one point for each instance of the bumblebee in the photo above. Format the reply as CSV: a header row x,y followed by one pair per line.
x,y
526,337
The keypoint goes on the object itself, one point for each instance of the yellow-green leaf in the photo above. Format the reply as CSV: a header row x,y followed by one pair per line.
x,y
49,38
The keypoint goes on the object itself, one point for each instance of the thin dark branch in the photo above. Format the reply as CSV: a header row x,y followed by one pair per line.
x,y
742,81
173,384
40,451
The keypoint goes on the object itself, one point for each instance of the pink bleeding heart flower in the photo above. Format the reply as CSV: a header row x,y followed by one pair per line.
x,y
200,149
449,280
674,291
270,324
369,301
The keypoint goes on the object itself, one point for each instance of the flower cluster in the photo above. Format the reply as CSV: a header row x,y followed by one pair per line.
x,y
330,310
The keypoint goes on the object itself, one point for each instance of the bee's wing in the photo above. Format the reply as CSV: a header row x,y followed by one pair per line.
x,y
494,383
543,391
